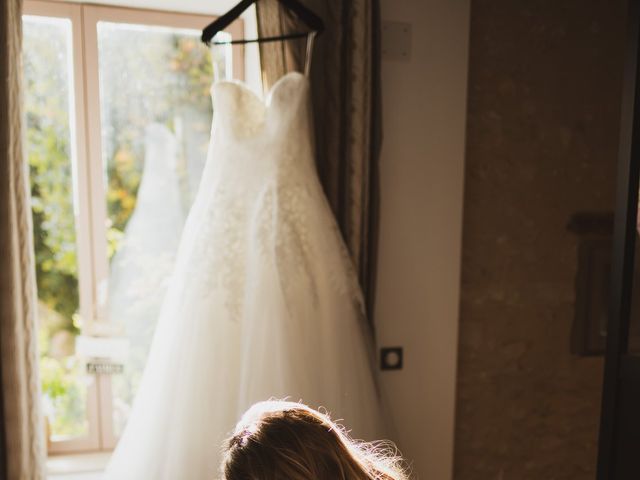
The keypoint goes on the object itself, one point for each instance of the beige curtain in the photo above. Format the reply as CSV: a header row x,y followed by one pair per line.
x,y
21,432
345,82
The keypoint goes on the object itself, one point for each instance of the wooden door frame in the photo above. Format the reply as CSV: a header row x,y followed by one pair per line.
x,y
620,421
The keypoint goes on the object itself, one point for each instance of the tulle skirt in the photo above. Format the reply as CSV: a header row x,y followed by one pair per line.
x,y
263,303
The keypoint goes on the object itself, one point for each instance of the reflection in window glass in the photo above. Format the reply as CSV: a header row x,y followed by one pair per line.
x,y
50,144
156,120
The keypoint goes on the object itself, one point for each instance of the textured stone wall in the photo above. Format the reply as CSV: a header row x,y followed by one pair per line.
x,y
543,106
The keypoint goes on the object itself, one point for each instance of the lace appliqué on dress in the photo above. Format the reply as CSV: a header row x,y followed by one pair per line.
x,y
221,247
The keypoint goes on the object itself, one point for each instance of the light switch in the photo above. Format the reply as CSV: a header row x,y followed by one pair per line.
x,y
396,41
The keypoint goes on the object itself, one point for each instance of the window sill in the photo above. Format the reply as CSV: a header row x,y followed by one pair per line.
x,y
85,466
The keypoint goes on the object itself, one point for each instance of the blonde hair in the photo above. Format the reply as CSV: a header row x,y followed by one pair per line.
x,y
278,440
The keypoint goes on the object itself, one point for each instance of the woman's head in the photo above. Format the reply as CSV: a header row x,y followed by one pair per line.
x,y
278,440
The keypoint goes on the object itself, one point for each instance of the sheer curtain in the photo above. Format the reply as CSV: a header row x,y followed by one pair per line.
x,y
22,449
345,82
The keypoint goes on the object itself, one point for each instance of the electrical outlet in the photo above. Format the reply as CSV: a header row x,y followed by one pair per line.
x,y
391,358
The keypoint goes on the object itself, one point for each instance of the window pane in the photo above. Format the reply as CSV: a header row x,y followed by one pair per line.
x,y
156,120
50,153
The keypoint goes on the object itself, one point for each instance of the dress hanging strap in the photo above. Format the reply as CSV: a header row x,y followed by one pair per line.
x,y
307,61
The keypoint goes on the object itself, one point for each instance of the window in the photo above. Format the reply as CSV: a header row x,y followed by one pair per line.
x,y
118,116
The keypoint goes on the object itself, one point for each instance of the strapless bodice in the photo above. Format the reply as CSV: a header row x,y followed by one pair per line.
x,y
239,113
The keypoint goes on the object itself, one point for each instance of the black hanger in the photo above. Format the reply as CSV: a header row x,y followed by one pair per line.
x,y
309,18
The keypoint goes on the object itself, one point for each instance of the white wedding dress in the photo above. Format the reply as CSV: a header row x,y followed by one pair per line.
x,y
263,301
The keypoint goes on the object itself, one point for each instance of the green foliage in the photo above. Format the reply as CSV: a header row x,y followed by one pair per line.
x,y
48,140
193,65
53,222
66,394
51,179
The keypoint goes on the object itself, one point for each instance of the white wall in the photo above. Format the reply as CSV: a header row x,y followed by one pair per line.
x,y
424,107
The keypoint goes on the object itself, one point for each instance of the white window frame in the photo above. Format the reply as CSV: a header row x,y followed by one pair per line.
x,y
93,266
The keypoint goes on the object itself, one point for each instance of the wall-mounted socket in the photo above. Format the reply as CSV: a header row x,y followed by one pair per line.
x,y
391,358
396,41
